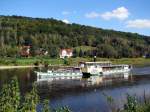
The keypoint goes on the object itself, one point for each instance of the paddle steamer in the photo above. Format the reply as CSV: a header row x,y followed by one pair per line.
x,y
103,68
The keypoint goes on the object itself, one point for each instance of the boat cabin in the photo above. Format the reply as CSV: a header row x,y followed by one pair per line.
x,y
93,67
102,67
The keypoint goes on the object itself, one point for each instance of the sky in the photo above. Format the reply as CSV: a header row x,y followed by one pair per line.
x,y
121,15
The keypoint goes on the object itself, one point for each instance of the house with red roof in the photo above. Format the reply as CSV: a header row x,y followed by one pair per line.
x,y
25,51
66,53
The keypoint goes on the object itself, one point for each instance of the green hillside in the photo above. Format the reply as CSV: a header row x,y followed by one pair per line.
x,y
52,35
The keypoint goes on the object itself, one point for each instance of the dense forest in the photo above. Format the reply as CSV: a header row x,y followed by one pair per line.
x,y
52,35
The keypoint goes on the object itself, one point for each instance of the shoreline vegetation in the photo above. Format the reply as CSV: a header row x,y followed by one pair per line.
x,y
11,99
14,66
8,63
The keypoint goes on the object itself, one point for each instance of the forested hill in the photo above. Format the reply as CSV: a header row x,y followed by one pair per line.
x,y
52,35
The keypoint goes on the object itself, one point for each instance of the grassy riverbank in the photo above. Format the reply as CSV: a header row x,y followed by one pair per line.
x,y
71,61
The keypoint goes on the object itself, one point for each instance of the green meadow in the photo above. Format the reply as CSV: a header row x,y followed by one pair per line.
x,y
69,61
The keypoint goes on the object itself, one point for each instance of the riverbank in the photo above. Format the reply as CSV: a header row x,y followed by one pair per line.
x,y
33,62
12,67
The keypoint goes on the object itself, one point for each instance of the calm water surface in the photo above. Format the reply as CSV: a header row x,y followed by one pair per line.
x,y
83,94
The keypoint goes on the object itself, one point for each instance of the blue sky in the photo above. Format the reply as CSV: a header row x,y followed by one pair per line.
x,y
122,15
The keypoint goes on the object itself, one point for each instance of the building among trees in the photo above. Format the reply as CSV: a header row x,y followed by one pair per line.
x,y
66,53
25,51
48,36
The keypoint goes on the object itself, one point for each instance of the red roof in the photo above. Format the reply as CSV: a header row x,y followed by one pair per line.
x,y
67,50
26,47
24,51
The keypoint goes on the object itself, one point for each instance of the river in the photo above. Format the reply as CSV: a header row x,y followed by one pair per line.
x,y
83,94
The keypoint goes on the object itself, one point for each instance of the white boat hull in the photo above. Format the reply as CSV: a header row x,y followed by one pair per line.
x,y
41,76
115,71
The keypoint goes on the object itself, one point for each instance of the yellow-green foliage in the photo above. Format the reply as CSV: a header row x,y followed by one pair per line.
x,y
71,61
84,48
132,104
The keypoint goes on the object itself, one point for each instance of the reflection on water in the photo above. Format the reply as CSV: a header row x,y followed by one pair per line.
x,y
100,80
88,81
141,70
82,94
54,88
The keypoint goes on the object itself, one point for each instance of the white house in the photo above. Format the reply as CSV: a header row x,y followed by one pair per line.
x,y
66,53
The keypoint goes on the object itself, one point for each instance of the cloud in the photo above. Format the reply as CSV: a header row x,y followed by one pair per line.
x,y
92,15
120,13
65,21
138,23
65,13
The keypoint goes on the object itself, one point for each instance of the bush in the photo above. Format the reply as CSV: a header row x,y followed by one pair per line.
x,y
11,100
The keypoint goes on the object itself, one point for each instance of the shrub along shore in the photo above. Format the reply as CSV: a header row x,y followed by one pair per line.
x,y
38,61
11,100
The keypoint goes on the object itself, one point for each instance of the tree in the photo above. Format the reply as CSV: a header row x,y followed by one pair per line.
x,y
80,53
10,97
52,35
53,51
2,39
31,101
46,107
106,51
11,100
75,53
12,51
